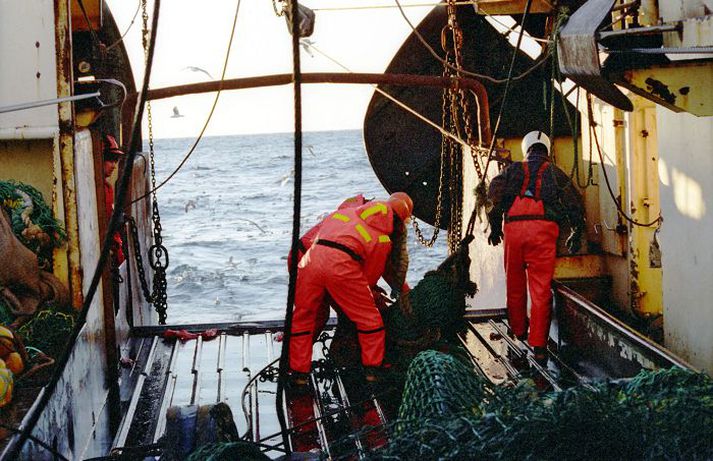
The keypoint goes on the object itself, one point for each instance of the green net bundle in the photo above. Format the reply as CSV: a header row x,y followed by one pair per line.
x,y
14,199
450,413
48,331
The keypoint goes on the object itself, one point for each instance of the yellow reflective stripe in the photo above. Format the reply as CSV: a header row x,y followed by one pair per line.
x,y
384,239
363,232
378,208
340,217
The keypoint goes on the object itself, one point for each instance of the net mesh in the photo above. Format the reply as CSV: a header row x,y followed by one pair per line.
x,y
448,412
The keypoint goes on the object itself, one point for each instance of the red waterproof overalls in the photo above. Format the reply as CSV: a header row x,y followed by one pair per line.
x,y
530,251
305,244
348,257
117,244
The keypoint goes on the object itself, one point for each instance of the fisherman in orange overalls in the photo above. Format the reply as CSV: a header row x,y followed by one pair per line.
x,y
347,259
305,243
536,198
112,155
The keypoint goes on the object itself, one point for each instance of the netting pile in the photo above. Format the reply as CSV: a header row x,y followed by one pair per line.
x,y
450,413
435,318
31,218
48,331
36,228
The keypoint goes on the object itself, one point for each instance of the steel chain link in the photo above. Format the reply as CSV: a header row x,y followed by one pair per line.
x,y
138,257
157,252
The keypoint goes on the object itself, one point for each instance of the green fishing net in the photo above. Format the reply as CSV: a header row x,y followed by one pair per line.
x,y
48,331
448,412
16,198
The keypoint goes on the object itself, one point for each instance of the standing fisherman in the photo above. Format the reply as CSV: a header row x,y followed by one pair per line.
x,y
536,198
349,256
112,155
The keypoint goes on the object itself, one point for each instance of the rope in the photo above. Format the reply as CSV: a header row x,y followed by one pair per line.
x,y
404,106
15,445
95,37
120,39
507,83
210,114
284,354
382,7
37,441
433,52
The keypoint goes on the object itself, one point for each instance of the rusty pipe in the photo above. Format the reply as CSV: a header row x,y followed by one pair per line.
x,y
340,77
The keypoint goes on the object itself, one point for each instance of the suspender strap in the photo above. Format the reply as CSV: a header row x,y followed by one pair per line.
x,y
538,181
526,180
340,247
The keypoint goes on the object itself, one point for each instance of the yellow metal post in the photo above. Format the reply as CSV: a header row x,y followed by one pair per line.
x,y
644,253
66,148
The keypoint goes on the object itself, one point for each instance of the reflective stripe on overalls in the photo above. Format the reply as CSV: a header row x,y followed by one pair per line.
x,y
530,252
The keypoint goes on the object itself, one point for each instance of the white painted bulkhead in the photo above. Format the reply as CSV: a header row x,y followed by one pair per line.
x,y
27,68
686,188
78,405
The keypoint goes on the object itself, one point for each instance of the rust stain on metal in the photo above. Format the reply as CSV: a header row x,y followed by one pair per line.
x,y
659,89
63,51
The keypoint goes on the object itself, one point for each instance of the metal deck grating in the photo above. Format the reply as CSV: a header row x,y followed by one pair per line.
x,y
168,372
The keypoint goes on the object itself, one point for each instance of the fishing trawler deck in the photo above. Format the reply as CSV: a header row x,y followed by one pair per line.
x,y
239,367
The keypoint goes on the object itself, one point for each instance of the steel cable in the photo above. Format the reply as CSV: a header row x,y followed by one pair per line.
x,y
284,353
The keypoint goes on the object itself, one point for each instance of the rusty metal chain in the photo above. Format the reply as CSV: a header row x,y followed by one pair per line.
x,y
454,104
139,260
158,254
441,180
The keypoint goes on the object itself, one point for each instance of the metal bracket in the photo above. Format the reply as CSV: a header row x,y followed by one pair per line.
x,y
578,53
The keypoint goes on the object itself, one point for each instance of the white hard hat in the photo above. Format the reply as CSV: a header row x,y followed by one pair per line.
x,y
532,138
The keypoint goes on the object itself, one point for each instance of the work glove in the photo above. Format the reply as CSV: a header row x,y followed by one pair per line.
x,y
574,241
381,300
496,236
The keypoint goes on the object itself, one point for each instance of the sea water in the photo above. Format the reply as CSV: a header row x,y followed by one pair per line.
x,y
227,218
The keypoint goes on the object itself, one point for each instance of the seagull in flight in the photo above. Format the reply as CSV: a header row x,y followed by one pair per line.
x,y
198,69
176,114
307,46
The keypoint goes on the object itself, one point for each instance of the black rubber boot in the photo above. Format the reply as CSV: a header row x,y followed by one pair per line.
x,y
541,356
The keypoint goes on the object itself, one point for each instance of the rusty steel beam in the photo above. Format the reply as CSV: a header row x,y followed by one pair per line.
x,y
339,77
66,149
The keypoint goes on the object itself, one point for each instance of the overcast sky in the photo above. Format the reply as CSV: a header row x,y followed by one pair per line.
x,y
195,34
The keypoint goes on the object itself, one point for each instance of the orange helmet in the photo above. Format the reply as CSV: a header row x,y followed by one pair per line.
x,y
402,205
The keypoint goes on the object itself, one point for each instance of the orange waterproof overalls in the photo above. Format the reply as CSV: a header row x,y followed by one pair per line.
x,y
530,252
305,244
348,257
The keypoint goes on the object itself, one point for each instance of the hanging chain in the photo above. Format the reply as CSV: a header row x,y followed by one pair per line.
x,y
139,260
455,104
441,180
158,254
